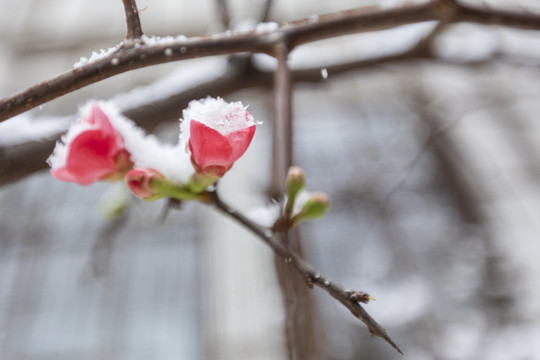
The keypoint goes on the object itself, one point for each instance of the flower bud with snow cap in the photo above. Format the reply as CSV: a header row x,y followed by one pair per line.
x,y
92,150
217,134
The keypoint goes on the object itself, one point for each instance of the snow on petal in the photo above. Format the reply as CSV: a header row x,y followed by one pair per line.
x,y
90,151
216,133
147,151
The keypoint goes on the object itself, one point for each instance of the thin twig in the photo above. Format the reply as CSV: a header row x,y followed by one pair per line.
x,y
224,14
282,128
350,299
134,29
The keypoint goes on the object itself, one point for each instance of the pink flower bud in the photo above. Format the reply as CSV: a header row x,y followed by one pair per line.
x,y
139,181
91,150
219,134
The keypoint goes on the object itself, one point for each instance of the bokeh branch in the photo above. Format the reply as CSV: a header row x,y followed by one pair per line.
x,y
299,327
223,13
348,298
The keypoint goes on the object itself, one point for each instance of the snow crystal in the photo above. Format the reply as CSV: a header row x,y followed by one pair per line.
x,y
265,215
266,27
97,56
148,40
217,114
324,73
162,40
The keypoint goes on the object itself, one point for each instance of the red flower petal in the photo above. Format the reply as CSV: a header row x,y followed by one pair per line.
x,y
208,147
99,120
63,174
139,181
91,156
240,140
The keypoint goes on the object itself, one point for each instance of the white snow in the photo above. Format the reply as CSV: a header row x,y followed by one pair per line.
x,y
148,40
23,128
147,151
324,73
162,40
215,113
265,215
96,55
266,27
248,25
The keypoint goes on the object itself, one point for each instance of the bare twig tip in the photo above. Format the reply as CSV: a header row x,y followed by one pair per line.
x,y
360,296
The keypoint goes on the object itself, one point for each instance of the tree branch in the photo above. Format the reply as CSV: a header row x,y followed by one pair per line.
x,y
489,16
282,127
294,34
350,299
134,30
129,58
299,327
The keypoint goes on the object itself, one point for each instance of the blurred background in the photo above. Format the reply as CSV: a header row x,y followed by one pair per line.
x,y
427,142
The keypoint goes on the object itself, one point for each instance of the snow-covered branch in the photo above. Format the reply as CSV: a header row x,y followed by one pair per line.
x,y
125,58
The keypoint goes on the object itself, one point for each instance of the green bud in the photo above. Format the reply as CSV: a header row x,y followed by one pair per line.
x,y
315,207
200,181
165,188
295,182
